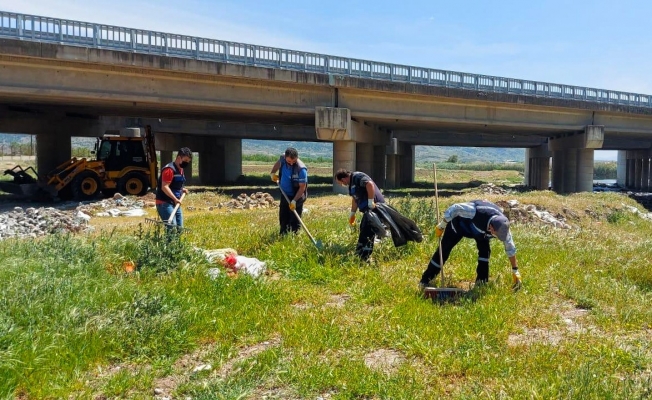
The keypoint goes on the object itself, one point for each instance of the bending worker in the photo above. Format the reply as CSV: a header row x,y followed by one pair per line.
x,y
292,179
365,194
480,220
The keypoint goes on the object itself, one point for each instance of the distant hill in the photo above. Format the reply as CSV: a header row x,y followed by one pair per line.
x,y
325,149
422,153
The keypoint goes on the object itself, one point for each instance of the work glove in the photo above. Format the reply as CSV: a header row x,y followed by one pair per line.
x,y
439,229
293,205
516,279
274,177
352,218
371,204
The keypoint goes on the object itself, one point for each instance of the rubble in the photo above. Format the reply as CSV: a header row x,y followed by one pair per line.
x,y
116,206
490,188
529,213
33,222
255,200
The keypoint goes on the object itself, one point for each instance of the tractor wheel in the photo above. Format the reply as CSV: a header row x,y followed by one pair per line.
x,y
133,183
85,186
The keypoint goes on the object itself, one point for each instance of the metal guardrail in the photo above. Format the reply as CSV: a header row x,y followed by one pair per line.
x,y
76,33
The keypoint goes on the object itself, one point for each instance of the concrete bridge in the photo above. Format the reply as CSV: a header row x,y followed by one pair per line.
x,y
62,78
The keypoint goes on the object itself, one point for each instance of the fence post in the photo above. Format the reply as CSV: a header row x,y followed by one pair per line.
x,y
20,25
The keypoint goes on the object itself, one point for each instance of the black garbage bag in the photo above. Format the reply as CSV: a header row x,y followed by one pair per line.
x,y
370,218
403,229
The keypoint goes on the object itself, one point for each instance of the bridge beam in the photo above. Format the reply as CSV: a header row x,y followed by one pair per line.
x,y
572,159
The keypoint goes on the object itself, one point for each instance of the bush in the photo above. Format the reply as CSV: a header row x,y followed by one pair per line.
x,y
161,250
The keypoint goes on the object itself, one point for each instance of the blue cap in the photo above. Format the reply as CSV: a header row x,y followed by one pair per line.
x,y
501,227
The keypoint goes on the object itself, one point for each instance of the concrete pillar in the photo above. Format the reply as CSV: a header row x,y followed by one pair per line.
x,y
52,149
537,167
638,170
571,159
570,171
558,171
188,173
392,172
344,156
379,166
354,142
584,181
233,159
631,165
645,182
621,168
220,160
406,170
364,159
166,157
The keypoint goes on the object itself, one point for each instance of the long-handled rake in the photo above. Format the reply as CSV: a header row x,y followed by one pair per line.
x,y
318,244
441,294
168,224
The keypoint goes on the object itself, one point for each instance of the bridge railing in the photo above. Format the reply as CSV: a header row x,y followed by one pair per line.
x,y
76,33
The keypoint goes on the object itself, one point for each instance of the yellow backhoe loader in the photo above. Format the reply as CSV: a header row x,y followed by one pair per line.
x,y
124,163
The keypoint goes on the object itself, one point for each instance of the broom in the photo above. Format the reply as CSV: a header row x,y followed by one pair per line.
x,y
441,294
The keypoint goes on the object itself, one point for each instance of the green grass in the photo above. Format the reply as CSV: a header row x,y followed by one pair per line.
x,y
73,324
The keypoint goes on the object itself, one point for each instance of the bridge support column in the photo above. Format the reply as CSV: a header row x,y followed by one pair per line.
x,y
220,160
572,169
400,164
354,143
344,156
621,168
166,157
406,172
645,177
52,149
584,182
364,158
537,167
638,174
631,176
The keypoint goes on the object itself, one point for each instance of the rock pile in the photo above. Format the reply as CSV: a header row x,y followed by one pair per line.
x,y
490,188
33,222
256,200
517,212
117,205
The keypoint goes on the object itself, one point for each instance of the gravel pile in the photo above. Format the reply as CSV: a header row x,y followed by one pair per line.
x,y
34,222
115,206
255,200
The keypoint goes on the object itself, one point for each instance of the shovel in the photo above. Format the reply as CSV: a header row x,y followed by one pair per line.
x,y
318,244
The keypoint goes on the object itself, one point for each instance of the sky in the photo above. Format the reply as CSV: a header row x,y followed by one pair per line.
x,y
599,44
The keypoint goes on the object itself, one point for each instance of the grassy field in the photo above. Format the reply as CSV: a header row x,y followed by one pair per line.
x,y
320,324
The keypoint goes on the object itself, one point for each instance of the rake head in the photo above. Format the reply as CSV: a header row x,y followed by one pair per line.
x,y
444,294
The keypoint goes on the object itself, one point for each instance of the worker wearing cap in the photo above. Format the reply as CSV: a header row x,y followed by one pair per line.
x,y
480,220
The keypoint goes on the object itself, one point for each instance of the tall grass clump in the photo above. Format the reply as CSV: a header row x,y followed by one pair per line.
x,y
160,249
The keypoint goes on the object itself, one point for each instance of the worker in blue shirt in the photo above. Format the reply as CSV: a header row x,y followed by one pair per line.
x,y
291,174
